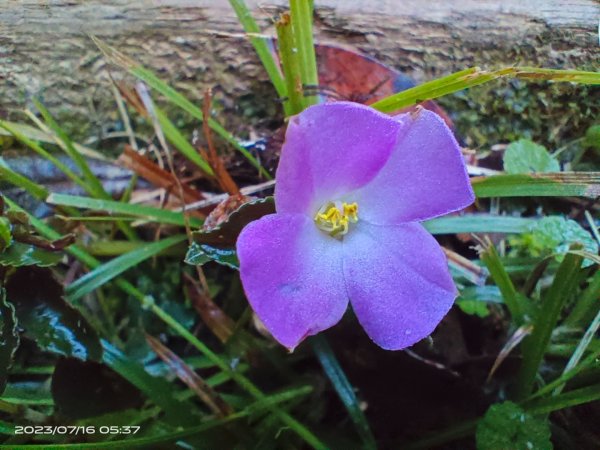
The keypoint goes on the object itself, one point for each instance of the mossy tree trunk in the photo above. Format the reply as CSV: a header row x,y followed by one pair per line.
x,y
45,50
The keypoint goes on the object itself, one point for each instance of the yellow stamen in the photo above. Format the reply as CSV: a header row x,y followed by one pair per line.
x,y
335,220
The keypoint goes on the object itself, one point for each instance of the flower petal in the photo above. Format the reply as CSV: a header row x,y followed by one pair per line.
x,y
425,176
398,282
292,275
330,150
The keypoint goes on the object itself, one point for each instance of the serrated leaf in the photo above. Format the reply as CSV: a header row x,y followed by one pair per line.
x,y
554,234
199,254
195,256
507,426
19,255
47,318
226,233
9,340
218,243
525,156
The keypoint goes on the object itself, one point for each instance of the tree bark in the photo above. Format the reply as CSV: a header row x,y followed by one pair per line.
x,y
45,49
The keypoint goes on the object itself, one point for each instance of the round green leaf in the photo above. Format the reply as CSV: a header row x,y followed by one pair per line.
x,y
507,426
19,254
525,156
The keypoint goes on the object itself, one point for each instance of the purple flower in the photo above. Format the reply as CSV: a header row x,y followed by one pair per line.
x,y
352,185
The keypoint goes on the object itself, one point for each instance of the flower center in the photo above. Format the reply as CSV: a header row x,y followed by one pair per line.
x,y
335,218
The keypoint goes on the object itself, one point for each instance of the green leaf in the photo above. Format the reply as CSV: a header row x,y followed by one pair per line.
x,y
47,318
525,156
199,254
507,426
19,255
218,243
473,307
115,267
195,256
5,235
554,234
481,294
9,340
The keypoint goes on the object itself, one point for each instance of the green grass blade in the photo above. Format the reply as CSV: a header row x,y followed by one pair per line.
x,y
587,304
478,223
158,390
36,190
343,388
119,247
576,184
290,62
591,361
302,23
95,186
115,207
173,436
12,177
565,400
93,181
534,346
174,97
581,348
148,302
115,267
260,46
44,154
511,297
38,135
475,76
182,144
